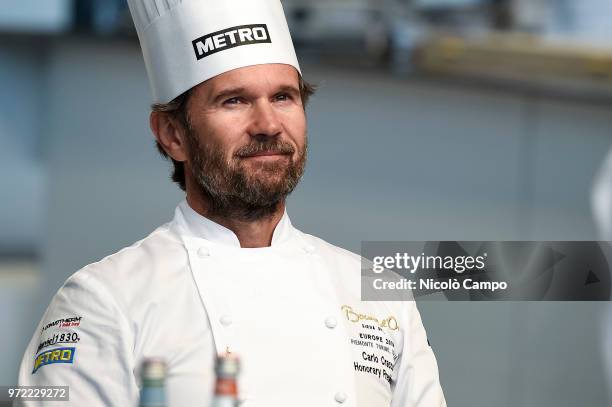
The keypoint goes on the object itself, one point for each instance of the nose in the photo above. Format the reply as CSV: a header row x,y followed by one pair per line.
x,y
265,121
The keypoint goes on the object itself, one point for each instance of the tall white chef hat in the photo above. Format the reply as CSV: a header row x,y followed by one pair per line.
x,y
185,42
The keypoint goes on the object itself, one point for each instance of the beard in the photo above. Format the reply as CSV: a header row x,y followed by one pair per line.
x,y
240,190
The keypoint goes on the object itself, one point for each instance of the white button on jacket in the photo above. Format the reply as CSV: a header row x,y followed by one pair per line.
x,y
340,397
188,291
226,320
203,252
331,322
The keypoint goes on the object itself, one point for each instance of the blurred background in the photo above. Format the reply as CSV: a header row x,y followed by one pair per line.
x,y
434,120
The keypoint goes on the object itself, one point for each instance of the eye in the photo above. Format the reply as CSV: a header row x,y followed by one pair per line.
x,y
232,101
283,97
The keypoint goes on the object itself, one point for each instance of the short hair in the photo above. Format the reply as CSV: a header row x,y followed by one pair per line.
x,y
177,109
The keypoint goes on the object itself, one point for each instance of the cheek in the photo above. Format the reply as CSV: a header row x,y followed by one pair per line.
x,y
222,133
296,127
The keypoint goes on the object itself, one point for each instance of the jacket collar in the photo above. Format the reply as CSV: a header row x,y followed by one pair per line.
x,y
202,227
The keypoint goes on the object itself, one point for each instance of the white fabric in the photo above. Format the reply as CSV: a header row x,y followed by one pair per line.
x,y
601,199
166,29
209,230
601,204
187,292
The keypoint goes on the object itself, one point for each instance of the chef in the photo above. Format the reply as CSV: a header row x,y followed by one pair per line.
x,y
230,273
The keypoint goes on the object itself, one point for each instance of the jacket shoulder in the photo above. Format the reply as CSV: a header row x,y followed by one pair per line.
x,y
161,243
136,269
339,253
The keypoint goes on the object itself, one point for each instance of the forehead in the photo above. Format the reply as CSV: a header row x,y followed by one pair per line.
x,y
265,77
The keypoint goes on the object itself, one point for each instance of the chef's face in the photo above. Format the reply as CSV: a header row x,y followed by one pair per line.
x,y
247,139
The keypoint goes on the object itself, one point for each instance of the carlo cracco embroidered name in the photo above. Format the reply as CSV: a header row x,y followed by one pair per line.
x,y
404,261
389,322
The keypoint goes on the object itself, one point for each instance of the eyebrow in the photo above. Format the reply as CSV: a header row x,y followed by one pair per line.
x,y
228,92
238,90
289,89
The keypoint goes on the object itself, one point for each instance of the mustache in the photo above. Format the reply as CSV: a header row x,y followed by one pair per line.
x,y
266,146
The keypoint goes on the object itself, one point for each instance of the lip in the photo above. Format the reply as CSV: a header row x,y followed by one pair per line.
x,y
266,154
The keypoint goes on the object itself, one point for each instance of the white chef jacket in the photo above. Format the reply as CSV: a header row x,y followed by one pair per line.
x,y
292,313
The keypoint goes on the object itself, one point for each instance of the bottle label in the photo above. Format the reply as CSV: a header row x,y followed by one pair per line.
x,y
226,387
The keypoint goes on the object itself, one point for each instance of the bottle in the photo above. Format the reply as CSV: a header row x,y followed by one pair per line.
x,y
226,387
153,374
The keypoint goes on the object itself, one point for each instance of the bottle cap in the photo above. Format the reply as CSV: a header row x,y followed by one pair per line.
x,y
153,369
227,366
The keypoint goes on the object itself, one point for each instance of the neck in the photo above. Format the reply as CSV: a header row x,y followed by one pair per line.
x,y
251,233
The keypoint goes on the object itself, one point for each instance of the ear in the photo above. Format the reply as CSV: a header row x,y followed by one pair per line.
x,y
169,134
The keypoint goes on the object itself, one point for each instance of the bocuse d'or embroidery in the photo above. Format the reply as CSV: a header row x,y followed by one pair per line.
x,y
389,322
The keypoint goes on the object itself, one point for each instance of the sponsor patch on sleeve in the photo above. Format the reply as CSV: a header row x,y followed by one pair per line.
x,y
69,322
51,356
63,337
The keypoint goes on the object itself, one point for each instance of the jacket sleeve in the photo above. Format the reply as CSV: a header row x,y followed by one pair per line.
x,y
418,382
83,341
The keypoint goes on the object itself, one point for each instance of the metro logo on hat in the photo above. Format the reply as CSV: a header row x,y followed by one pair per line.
x,y
232,37
186,42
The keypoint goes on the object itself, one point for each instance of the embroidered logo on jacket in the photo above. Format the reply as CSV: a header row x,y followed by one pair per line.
x,y
51,356
64,323
60,337
389,322
373,344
